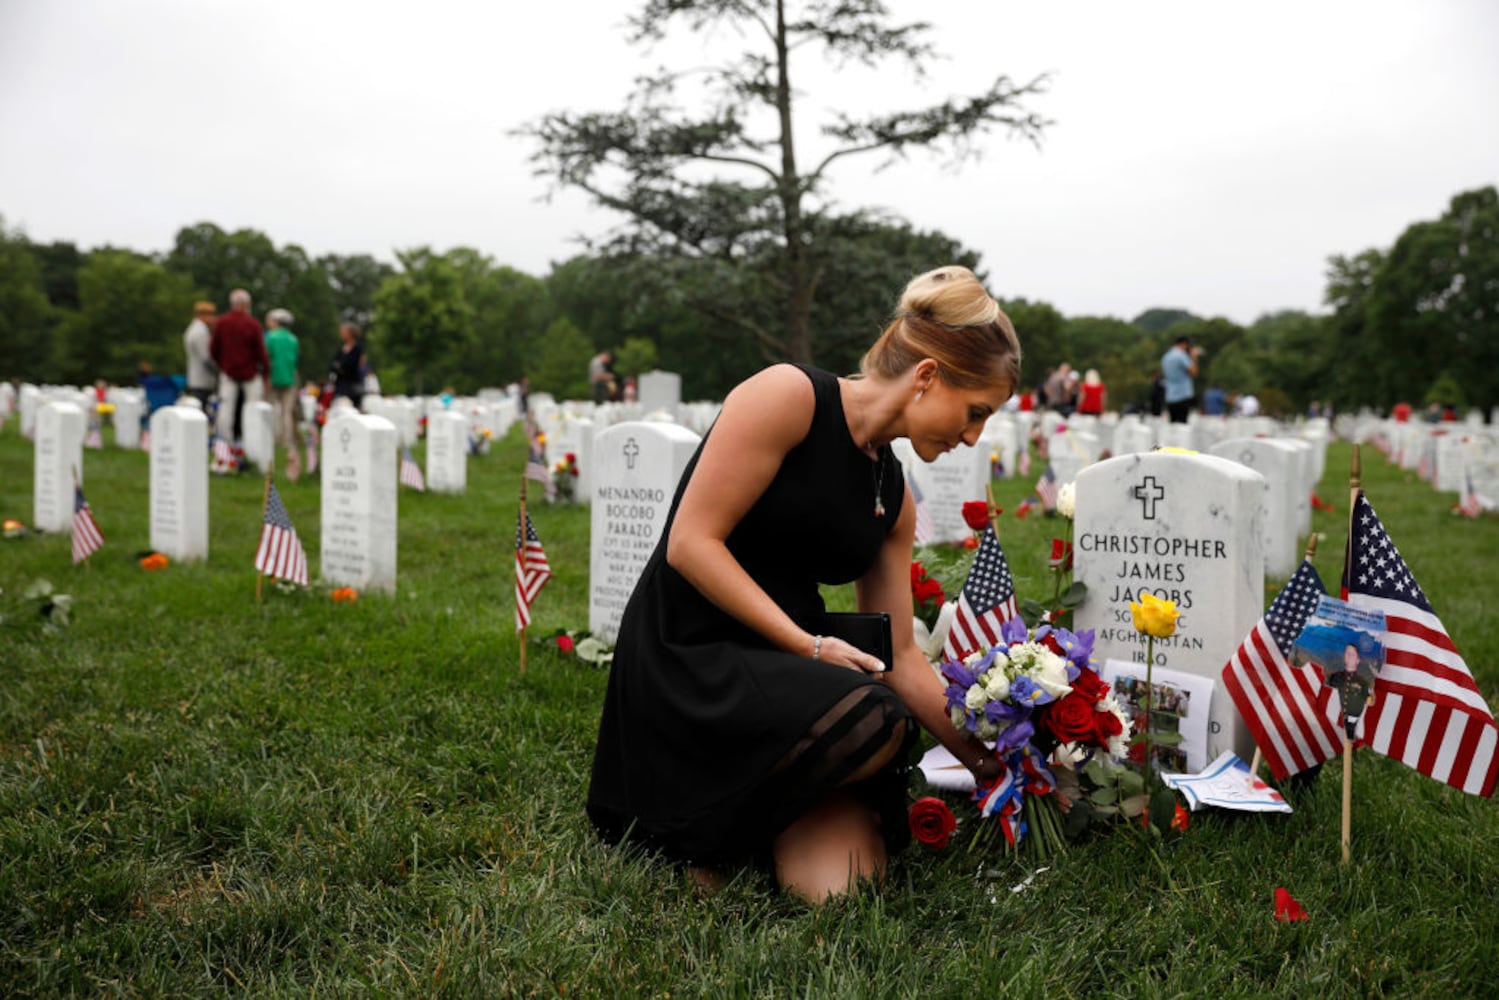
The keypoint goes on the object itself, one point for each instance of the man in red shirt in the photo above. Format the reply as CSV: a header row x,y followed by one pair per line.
x,y
238,348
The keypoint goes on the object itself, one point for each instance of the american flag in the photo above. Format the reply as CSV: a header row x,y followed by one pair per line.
x,y
411,473
93,439
1470,506
1046,489
924,529
531,568
312,449
145,439
986,603
280,554
1287,708
1427,711
1023,462
86,534
223,457
536,465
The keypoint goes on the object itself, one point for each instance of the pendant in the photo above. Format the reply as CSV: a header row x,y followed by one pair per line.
x,y
879,508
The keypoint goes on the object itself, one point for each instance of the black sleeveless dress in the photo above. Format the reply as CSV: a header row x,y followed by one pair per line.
x,y
713,741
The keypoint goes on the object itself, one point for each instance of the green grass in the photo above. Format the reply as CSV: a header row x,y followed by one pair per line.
x,y
202,795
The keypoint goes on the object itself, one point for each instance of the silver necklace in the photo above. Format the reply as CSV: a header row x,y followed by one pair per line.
x,y
879,482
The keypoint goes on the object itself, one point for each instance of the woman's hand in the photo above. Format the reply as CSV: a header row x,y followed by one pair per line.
x,y
845,654
986,767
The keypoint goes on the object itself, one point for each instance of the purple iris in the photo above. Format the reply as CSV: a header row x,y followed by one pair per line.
x,y
1026,691
959,674
1013,631
1014,737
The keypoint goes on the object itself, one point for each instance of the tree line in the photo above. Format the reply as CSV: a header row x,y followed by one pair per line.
x,y
1417,321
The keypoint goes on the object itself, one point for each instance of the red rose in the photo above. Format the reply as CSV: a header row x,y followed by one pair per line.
x,y
976,514
1061,554
1180,820
1108,725
932,823
1090,686
927,590
565,643
918,573
971,542
1069,719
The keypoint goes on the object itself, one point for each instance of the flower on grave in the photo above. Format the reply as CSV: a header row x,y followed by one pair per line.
x,y
1180,820
345,595
14,529
1067,500
926,594
565,643
1061,555
976,514
932,822
1153,616
564,471
154,562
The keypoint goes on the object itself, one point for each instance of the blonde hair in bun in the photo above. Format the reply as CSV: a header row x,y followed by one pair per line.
x,y
946,315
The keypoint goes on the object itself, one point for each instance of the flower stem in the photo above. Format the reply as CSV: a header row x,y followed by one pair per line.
x,y
1149,664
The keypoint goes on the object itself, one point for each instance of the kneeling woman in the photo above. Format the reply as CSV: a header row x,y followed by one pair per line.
x,y
733,732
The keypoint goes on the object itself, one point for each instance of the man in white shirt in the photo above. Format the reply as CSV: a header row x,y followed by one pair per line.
x,y
202,373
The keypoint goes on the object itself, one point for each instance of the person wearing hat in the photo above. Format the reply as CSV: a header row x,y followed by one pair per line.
x,y
202,373
1178,366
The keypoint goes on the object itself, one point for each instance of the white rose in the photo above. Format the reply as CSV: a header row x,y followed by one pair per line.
x,y
997,685
976,698
987,730
958,717
1051,674
1067,500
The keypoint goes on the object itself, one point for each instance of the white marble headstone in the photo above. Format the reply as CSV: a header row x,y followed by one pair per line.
x,y
636,468
260,434
130,407
359,503
447,452
57,456
659,390
28,401
1278,463
179,482
1186,528
955,478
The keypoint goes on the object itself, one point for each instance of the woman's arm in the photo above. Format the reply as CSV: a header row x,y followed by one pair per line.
x,y
761,421
887,587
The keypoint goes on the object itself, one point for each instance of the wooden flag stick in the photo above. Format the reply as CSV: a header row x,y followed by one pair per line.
x,y
520,567
993,510
265,501
1355,485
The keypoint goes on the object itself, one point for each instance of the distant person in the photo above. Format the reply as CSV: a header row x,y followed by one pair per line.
x,y
1215,401
348,368
1247,405
1054,390
202,373
1157,395
1091,395
601,376
284,351
1401,413
238,348
1178,366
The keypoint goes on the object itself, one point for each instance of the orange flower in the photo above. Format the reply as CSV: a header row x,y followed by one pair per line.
x,y
154,562
345,594
1180,820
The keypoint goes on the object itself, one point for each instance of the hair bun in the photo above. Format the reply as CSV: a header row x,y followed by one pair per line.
x,y
951,295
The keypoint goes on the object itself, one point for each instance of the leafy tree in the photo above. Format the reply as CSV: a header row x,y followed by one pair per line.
x,y
24,311
246,258
758,238
354,280
1349,282
131,309
422,318
1433,305
1123,353
510,310
60,263
1159,320
1043,342
561,364
635,355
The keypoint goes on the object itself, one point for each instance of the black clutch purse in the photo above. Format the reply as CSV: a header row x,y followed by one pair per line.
x,y
868,631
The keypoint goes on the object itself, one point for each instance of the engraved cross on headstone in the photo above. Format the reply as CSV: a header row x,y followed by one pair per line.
x,y
344,437
1148,492
631,450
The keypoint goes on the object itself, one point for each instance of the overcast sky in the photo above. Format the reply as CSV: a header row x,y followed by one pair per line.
x,y
1205,155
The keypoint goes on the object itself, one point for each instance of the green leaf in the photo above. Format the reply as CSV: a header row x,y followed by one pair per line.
x,y
1162,808
1075,595
1131,782
1106,796
1166,739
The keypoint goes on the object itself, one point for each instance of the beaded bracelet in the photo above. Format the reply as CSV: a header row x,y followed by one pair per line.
x,y
816,646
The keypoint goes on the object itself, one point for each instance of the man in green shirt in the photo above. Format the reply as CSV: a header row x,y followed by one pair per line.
x,y
282,348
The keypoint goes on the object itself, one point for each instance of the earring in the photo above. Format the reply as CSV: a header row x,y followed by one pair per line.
x,y
919,394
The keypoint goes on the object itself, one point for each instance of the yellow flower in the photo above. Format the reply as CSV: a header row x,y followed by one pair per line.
x,y
1154,616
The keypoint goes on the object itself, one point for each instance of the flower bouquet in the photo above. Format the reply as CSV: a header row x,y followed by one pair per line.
x,y
565,477
1048,712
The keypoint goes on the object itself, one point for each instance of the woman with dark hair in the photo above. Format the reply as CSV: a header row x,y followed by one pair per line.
x,y
734,731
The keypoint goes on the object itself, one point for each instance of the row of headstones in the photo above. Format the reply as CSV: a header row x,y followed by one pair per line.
x,y
358,538
1448,455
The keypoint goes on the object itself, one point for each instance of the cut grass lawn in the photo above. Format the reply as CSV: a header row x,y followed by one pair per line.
x,y
199,794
